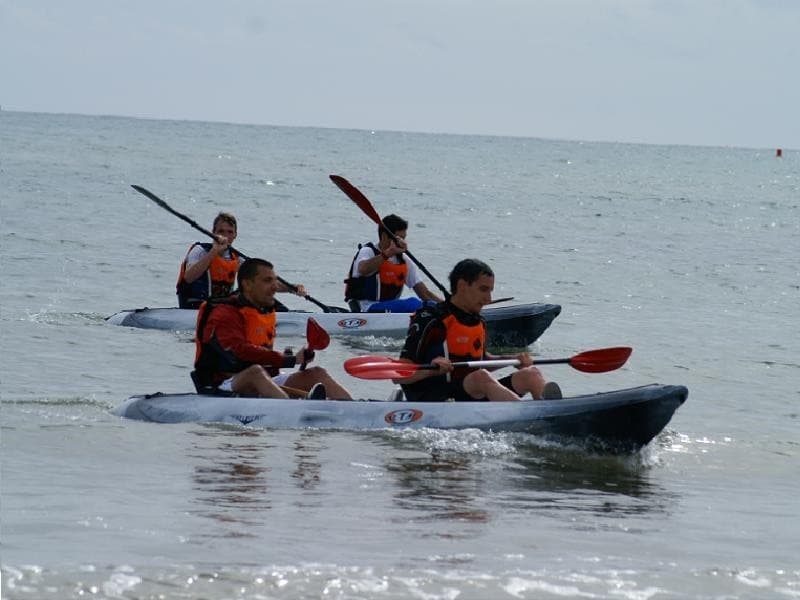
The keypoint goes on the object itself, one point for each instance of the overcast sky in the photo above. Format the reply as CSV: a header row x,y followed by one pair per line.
x,y
699,72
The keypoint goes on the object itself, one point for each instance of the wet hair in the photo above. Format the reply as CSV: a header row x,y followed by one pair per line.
x,y
469,270
249,268
393,223
225,218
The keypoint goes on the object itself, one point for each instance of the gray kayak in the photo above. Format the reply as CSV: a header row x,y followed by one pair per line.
x,y
620,420
513,326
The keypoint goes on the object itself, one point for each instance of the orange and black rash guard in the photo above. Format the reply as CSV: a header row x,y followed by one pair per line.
x,y
444,326
232,335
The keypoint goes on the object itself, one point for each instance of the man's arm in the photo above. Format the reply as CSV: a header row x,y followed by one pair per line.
x,y
414,281
368,263
424,293
300,289
202,261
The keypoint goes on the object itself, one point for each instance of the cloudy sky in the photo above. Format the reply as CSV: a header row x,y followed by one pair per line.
x,y
699,72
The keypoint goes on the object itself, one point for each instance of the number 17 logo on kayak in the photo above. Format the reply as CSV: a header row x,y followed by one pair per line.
x,y
353,323
403,416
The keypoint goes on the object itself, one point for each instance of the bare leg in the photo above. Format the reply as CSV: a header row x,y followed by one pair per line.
x,y
529,379
480,384
305,379
254,381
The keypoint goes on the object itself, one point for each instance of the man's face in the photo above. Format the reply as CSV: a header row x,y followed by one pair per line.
x,y
398,234
474,296
261,289
225,230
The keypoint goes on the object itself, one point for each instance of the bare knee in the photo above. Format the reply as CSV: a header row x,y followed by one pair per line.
x,y
481,377
254,381
529,379
532,374
251,374
254,371
477,382
316,372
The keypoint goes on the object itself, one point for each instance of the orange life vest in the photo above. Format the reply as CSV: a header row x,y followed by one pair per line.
x,y
385,284
216,282
464,342
392,277
259,327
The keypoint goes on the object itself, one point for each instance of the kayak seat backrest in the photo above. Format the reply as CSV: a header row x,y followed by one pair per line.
x,y
207,390
397,395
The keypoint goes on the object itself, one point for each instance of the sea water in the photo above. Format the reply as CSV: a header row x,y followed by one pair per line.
x,y
687,254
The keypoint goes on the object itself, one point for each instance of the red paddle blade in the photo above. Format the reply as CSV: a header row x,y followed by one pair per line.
x,y
379,367
600,361
379,373
316,336
356,196
357,361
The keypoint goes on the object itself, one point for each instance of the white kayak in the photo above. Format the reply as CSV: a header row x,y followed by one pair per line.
x,y
620,420
514,326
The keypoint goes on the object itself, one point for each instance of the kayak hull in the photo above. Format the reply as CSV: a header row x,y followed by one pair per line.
x,y
619,421
507,327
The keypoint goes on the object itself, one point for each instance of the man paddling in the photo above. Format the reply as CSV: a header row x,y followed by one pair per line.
x,y
209,269
454,331
378,273
235,337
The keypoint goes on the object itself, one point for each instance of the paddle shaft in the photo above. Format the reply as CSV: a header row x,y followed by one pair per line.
x,y
365,205
496,363
422,267
202,229
506,299
477,364
294,392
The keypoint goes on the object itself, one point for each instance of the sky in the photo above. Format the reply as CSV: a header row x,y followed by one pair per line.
x,y
693,72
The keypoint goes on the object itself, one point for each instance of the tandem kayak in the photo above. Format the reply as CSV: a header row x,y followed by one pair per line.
x,y
507,326
619,421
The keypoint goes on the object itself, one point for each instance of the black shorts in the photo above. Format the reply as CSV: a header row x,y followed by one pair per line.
x,y
444,391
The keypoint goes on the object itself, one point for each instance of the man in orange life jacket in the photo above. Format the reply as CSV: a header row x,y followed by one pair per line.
x,y
209,270
378,273
454,331
235,337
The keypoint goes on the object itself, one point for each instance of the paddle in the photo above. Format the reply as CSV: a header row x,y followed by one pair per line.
x,y
294,392
365,205
316,339
199,228
384,367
